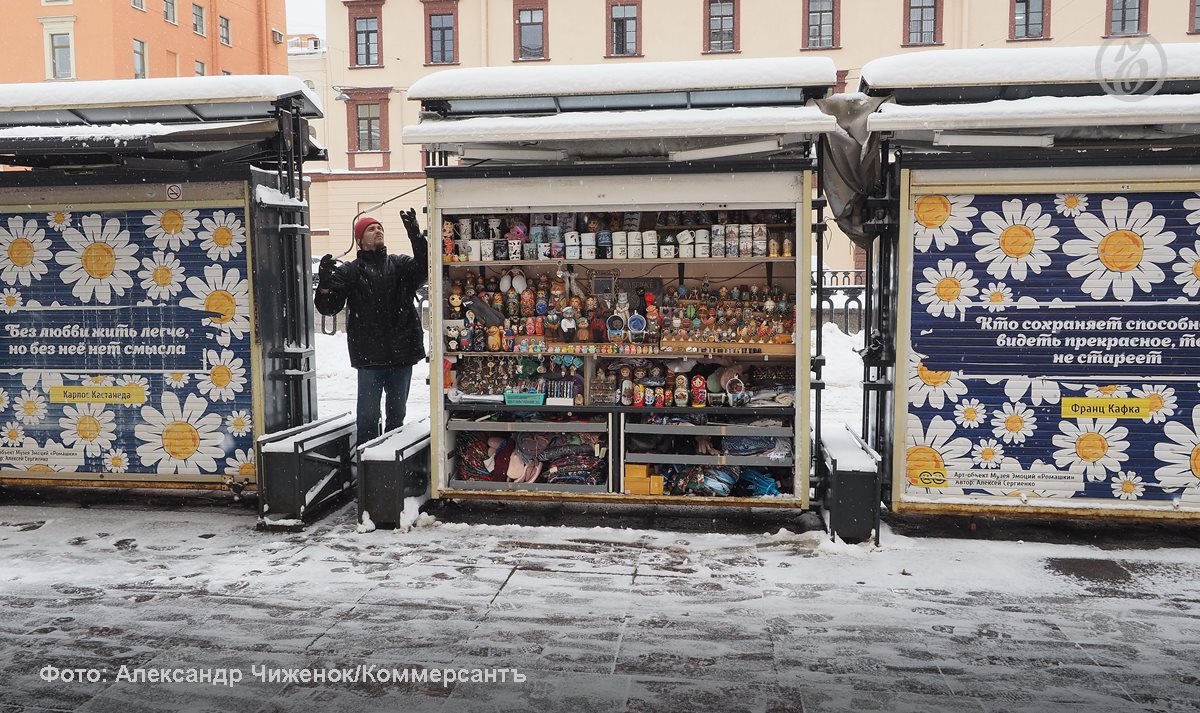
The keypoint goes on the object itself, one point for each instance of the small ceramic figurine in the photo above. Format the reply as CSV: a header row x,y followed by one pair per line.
x,y
494,339
510,336
456,308
567,325
452,334
512,304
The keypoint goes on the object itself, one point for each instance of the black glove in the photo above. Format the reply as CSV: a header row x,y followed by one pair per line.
x,y
409,218
326,269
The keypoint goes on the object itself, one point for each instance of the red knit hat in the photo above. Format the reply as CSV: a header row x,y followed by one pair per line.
x,y
360,227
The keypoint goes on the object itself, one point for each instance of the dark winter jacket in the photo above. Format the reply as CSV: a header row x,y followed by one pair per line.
x,y
383,328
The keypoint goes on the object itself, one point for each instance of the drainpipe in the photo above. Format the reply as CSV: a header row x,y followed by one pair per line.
x,y
483,40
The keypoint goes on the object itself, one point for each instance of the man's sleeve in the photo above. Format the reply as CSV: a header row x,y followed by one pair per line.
x,y
416,268
332,290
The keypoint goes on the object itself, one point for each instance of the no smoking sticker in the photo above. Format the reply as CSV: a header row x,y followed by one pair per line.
x,y
174,191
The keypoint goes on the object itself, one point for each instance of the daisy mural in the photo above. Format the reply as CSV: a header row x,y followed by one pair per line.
x,y
1084,301
1017,241
1120,249
126,377
241,465
948,290
934,450
24,251
99,261
939,220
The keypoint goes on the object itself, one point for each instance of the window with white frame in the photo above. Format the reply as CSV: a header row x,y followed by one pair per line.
x,y
198,24
224,30
139,4
169,12
139,59
201,70
58,38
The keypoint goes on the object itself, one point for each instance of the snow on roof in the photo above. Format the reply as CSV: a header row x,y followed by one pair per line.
x,y
738,121
490,82
119,131
41,96
1032,65
1040,112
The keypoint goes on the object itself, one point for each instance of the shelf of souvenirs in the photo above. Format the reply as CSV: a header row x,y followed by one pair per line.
x,y
665,350
495,407
609,262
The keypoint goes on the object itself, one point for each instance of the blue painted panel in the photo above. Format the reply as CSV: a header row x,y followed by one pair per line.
x,y
1020,301
144,317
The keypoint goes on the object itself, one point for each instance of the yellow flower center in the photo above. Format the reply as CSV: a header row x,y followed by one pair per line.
x,y
970,413
20,252
1196,461
923,459
1128,486
10,300
222,303
116,461
99,260
162,276
246,470
1017,241
932,211
1196,269
1108,390
1155,401
239,424
41,468
1121,250
948,289
12,435
1071,202
1014,423
987,454
172,222
29,408
223,236
996,297
177,377
1091,447
221,376
88,428
181,440
932,378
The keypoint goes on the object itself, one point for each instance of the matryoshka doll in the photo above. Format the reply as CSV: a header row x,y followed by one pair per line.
x,y
527,302
626,387
681,390
447,241
699,391
510,337
512,304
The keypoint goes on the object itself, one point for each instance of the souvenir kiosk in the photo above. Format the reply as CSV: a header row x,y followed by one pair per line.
x,y
1044,290
621,290
154,281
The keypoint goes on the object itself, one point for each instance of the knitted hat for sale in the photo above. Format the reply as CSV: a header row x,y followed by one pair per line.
x,y
360,227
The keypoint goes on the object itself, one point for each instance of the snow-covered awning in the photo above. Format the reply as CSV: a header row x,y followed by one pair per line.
x,y
133,132
1040,113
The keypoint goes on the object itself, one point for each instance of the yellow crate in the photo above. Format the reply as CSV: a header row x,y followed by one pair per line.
x,y
636,470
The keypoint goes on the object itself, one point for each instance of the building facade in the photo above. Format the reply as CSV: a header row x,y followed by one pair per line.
x,y
377,48
66,40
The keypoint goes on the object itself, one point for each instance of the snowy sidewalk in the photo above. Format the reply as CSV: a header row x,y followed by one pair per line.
x,y
597,619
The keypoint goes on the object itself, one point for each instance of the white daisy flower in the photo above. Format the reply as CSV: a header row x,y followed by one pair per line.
x,y
3,400
1161,400
1070,204
223,236
932,450
98,380
89,426
997,297
1017,241
239,423
171,229
99,261
1189,269
14,434
59,220
988,454
933,386
176,379
115,461
947,290
1106,391
970,413
226,297
30,379
1182,456
162,276
51,464
24,251
939,220
135,380
1094,447
180,438
225,376
1120,251
30,407
10,300
241,464
1127,486
1062,488
1013,423
1039,390
1193,204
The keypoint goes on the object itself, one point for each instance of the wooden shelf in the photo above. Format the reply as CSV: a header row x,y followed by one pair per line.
x,y
767,350
685,429
600,264
672,410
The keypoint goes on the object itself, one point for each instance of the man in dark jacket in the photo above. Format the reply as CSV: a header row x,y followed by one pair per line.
x,y
383,329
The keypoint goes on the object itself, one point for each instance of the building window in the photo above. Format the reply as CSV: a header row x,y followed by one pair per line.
x,y
441,39
623,30
200,69
198,19
366,41
139,4
60,56
1194,20
224,31
720,25
169,12
139,59
531,30
369,127
1030,19
821,17
1126,17
923,22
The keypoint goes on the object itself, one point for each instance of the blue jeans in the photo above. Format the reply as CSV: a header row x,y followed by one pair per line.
x,y
372,383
